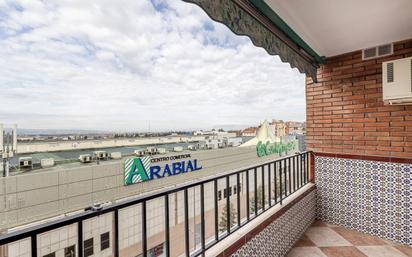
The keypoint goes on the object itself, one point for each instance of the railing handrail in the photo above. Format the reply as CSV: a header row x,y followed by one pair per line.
x,y
87,214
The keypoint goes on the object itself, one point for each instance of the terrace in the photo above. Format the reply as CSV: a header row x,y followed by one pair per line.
x,y
355,180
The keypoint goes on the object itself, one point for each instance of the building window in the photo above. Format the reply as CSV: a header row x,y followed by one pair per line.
x,y
219,195
88,247
230,191
224,193
53,254
156,251
70,251
104,241
234,190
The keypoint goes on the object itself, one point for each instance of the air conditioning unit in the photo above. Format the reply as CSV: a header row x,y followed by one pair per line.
x,y
100,155
25,162
116,155
397,81
161,150
45,163
139,153
151,150
85,158
177,148
192,147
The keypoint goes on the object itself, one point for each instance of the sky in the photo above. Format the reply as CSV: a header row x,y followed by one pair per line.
x,y
130,65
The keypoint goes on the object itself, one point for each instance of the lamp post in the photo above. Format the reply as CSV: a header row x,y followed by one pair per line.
x,y
8,147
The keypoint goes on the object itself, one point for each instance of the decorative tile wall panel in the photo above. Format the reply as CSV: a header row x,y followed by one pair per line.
x,y
279,237
368,196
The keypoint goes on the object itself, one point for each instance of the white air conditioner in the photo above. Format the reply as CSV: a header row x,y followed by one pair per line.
x,y
397,81
84,158
25,162
101,155
177,149
139,153
151,150
161,150
45,163
116,155
192,147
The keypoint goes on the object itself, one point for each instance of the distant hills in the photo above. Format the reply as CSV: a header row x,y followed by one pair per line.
x,y
231,126
40,132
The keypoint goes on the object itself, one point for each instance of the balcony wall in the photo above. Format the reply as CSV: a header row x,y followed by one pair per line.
x,y
274,233
363,148
372,197
346,113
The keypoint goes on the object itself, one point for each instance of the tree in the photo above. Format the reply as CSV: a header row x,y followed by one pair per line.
x,y
257,197
223,218
276,189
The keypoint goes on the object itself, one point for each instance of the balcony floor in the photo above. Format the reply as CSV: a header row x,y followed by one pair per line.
x,y
325,240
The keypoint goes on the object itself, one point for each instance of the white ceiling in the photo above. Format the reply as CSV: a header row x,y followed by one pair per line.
x,y
333,27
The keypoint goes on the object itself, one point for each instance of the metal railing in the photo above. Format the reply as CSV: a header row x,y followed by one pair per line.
x,y
279,179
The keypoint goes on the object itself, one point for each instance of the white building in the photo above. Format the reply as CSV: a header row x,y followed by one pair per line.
x,y
264,134
233,141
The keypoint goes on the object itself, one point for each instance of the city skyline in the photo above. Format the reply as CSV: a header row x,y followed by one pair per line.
x,y
109,66
43,132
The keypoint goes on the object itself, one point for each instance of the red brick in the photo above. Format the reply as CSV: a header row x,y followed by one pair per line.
x,y
390,148
365,63
365,120
354,106
377,124
349,115
367,129
377,134
401,123
342,111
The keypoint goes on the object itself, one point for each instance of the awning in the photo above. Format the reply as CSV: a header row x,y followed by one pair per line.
x,y
243,18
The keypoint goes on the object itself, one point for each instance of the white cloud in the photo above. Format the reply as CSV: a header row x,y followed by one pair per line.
x,y
119,64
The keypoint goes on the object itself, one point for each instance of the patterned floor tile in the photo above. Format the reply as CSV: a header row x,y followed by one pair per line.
x,y
331,225
405,250
304,241
364,245
325,236
306,252
381,251
319,223
357,238
390,242
342,251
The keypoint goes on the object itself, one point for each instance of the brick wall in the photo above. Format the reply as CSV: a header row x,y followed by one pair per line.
x,y
345,110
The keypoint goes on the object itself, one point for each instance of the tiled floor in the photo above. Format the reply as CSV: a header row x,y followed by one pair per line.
x,y
325,240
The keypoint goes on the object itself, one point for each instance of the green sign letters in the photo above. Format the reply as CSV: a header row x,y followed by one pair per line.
x,y
272,148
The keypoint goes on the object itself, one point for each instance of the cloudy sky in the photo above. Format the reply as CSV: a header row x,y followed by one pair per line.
x,y
120,65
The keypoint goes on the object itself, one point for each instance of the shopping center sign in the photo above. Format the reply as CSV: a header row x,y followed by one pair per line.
x,y
139,169
268,148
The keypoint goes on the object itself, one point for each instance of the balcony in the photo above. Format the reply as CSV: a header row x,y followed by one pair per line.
x,y
356,180
187,220
192,219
